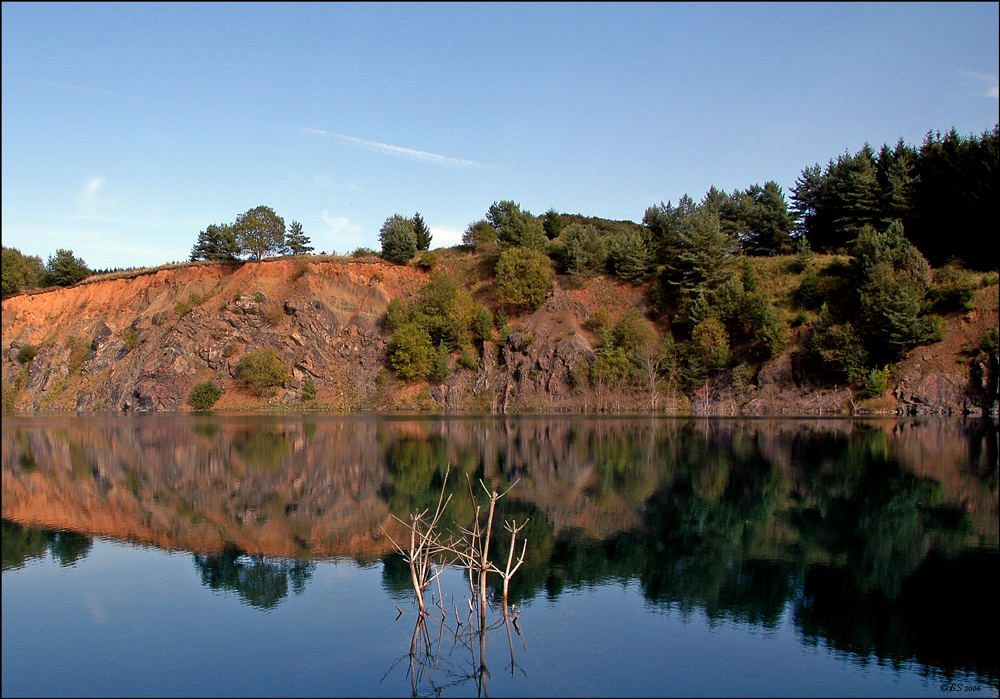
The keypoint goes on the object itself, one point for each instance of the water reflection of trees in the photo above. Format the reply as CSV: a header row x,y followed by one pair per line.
x,y
259,581
839,529
22,544
742,519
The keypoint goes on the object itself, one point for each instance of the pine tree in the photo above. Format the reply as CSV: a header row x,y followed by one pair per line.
x,y
65,269
297,242
552,224
421,232
769,224
399,244
217,242
896,174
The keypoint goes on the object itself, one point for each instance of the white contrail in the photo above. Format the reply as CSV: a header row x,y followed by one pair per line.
x,y
395,151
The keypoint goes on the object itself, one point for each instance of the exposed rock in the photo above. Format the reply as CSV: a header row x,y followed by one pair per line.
x,y
331,332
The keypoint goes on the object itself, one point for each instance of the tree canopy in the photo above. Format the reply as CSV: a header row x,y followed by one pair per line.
x,y
217,242
65,269
260,232
514,227
421,233
21,272
524,278
398,238
297,242
943,193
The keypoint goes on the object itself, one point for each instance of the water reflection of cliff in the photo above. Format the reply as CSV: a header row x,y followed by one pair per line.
x,y
295,487
852,527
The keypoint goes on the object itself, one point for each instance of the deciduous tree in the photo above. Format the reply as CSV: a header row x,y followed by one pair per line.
x,y
21,272
523,278
260,232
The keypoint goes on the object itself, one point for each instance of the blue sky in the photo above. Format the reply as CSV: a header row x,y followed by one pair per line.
x,y
128,128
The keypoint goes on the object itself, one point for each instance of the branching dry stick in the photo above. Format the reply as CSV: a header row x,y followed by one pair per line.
x,y
472,551
508,573
425,545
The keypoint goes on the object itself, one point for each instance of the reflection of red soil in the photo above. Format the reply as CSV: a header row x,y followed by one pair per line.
x,y
40,501
321,492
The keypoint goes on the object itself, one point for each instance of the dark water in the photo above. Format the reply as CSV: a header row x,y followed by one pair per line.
x,y
234,555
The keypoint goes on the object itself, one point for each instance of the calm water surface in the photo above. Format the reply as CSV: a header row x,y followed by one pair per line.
x,y
245,555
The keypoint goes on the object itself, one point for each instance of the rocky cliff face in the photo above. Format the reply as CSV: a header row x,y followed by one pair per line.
x,y
142,343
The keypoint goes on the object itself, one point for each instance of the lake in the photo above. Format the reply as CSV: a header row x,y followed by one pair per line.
x,y
219,555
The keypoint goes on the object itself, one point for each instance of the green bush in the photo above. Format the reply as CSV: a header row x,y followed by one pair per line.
x,y
130,338
182,308
261,372
988,341
632,331
204,395
598,320
935,329
584,250
712,341
837,349
876,382
411,354
952,290
443,309
892,279
467,358
65,269
27,353
427,259
440,370
630,255
396,315
503,324
20,272
309,390
523,278
483,329
742,376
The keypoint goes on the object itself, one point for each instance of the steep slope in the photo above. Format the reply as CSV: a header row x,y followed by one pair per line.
x,y
141,343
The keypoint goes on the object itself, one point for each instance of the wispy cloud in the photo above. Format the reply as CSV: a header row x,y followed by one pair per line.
x,y
393,151
340,225
407,153
88,197
985,85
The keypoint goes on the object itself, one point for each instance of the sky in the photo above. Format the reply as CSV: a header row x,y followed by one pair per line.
x,y
129,128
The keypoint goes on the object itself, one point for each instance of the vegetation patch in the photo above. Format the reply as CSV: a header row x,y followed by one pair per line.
x,y
78,347
204,395
523,278
27,353
261,372
309,390
130,338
